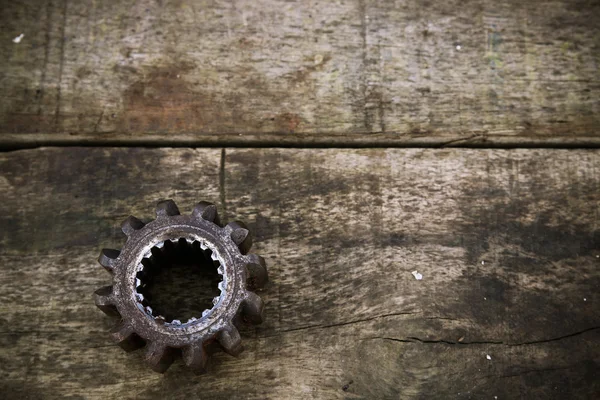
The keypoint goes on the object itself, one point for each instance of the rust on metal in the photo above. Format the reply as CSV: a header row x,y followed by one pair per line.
x,y
149,247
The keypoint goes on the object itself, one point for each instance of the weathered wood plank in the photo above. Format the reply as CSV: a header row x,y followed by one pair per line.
x,y
279,72
507,242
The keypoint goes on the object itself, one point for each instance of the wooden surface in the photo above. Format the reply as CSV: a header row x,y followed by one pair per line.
x,y
277,72
507,242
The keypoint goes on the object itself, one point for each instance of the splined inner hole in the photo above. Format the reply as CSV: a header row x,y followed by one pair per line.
x,y
179,281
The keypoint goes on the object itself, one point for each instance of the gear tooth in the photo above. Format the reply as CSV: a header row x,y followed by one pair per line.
x,y
158,356
207,211
105,301
253,308
240,235
125,337
257,272
166,208
131,224
195,357
229,338
107,259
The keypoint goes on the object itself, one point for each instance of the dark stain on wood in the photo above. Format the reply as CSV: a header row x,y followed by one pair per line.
x,y
163,99
347,386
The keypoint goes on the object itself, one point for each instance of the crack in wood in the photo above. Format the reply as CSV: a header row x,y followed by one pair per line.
x,y
413,339
61,66
222,198
321,326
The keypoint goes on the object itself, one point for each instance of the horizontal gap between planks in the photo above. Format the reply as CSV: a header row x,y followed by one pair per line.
x,y
219,141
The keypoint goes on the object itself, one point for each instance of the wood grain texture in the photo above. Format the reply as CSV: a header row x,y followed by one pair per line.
x,y
507,242
275,72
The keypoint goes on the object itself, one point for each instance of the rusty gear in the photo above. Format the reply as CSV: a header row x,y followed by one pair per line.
x,y
201,235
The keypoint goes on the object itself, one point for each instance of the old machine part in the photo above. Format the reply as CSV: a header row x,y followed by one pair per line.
x,y
200,239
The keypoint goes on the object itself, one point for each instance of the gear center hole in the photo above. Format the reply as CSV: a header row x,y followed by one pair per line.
x,y
179,281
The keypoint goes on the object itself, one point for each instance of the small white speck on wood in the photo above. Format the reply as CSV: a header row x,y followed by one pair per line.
x,y
19,38
417,275
458,47
488,356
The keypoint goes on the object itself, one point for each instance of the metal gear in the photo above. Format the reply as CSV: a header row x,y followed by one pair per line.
x,y
148,248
